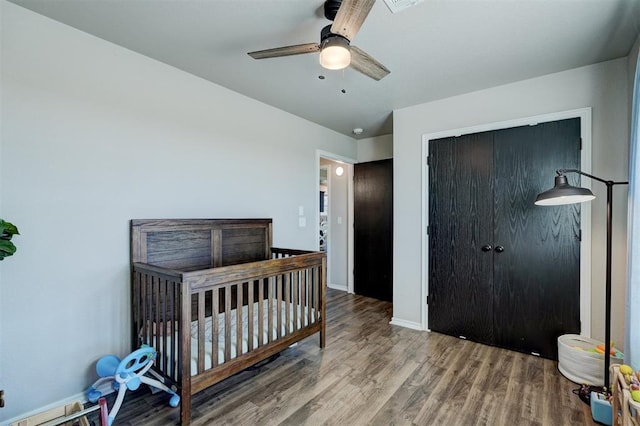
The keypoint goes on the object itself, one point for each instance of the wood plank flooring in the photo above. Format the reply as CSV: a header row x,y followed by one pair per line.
x,y
373,373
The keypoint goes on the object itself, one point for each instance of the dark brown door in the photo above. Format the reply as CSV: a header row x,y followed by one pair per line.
x,y
373,229
502,270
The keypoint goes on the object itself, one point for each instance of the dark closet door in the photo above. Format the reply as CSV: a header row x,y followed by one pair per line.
x,y
460,225
501,269
537,276
373,229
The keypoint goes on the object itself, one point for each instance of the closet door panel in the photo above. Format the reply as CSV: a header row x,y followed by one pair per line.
x,y
537,276
460,224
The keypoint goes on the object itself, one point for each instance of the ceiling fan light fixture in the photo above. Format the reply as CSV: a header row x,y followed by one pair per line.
x,y
335,53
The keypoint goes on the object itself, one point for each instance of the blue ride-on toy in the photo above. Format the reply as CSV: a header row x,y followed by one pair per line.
x,y
129,372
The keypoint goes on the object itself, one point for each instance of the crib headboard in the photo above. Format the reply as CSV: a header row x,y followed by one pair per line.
x,y
190,244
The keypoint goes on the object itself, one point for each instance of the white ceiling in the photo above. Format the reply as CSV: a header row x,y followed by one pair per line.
x,y
434,49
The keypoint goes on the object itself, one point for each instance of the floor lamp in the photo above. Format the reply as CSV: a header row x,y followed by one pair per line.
x,y
563,193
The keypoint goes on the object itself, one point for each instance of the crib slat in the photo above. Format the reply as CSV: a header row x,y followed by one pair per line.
x,y
250,301
316,294
138,322
148,298
135,314
164,359
296,302
287,303
167,346
159,308
155,313
279,305
201,326
323,303
303,298
158,316
143,307
309,293
175,312
227,323
161,360
260,312
215,300
239,320
270,310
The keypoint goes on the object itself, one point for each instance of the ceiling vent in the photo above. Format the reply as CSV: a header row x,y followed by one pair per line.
x,y
399,5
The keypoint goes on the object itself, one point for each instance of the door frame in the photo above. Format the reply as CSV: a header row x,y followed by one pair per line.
x,y
585,211
349,162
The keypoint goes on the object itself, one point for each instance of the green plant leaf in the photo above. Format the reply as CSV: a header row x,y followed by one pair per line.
x,y
8,228
7,248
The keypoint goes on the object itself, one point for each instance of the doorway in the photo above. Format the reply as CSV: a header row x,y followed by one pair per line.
x,y
373,229
334,221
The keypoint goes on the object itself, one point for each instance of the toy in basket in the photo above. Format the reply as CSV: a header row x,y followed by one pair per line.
x,y
129,372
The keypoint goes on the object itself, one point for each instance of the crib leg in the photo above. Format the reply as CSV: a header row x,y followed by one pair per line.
x,y
185,408
322,336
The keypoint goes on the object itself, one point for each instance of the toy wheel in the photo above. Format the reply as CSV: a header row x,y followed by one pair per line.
x,y
174,401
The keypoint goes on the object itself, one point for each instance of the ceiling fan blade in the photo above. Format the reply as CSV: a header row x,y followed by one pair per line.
x,y
362,62
350,17
297,49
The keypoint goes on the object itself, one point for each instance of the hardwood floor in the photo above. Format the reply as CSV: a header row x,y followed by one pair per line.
x,y
373,373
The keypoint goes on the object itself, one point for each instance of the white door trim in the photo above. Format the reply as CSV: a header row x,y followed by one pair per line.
x,y
585,165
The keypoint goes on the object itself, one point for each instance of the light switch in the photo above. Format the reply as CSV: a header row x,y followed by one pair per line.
x,y
339,220
302,222
300,210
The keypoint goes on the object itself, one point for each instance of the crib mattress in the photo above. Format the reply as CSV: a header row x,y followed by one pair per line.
x,y
287,328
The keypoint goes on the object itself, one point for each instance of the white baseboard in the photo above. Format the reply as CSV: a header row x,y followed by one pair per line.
x,y
337,287
106,389
406,324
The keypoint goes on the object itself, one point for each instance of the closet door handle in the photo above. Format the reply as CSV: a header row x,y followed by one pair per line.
x,y
499,249
486,248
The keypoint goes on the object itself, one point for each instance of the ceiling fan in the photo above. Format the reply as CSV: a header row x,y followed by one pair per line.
x,y
336,51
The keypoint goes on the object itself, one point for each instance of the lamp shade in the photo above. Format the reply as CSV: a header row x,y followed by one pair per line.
x,y
563,193
335,53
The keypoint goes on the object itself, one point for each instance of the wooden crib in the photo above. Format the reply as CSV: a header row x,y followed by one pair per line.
x,y
213,298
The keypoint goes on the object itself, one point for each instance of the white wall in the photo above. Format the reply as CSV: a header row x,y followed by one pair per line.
x,y
602,86
338,226
337,247
94,135
632,336
376,148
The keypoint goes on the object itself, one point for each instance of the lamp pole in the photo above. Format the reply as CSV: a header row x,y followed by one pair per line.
x,y
607,329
